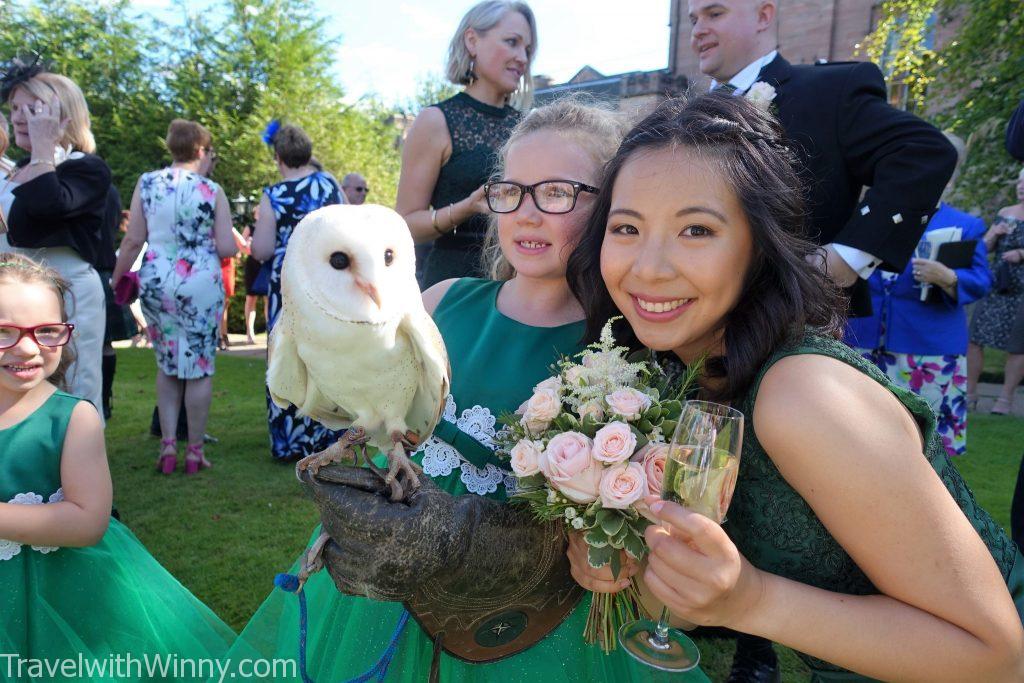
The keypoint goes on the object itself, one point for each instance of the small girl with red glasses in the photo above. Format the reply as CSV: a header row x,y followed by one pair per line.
x,y
75,582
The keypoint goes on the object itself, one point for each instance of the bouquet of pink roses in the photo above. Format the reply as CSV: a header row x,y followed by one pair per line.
x,y
586,449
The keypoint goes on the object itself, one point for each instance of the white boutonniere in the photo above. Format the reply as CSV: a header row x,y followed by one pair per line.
x,y
761,95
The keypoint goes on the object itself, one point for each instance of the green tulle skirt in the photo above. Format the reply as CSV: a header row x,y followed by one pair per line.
x,y
347,635
99,605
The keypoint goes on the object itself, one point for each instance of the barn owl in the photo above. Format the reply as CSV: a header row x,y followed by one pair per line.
x,y
353,346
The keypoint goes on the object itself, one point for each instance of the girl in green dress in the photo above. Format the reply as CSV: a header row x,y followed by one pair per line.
x,y
79,590
851,537
502,335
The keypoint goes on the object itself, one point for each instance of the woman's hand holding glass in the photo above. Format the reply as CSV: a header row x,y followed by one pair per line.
x,y
695,569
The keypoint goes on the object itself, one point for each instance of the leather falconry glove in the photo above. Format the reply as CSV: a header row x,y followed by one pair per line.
x,y
484,579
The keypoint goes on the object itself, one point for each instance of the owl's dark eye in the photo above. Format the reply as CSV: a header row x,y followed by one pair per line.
x,y
339,260
389,257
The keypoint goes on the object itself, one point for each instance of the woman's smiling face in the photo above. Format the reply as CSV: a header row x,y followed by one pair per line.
x,y
676,250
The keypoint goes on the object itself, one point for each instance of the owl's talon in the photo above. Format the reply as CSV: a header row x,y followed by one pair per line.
x,y
402,474
344,449
313,559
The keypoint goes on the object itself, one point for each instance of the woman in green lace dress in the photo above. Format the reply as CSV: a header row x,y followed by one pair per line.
x,y
78,588
452,146
502,336
851,537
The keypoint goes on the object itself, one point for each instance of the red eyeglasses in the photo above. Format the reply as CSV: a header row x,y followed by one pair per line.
x,y
50,335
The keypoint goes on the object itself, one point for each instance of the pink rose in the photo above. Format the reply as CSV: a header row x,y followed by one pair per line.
x,y
569,467
623,485
614,443
652,458
551,384
526,457
543,407
629,403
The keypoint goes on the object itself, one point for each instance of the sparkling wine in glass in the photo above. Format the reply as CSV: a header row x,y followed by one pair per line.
x,y
700,474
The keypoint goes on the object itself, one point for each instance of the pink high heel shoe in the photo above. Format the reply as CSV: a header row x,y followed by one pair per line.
x,y
195,459
168,462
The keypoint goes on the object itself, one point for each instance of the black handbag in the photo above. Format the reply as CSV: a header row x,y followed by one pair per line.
x,y
1002,278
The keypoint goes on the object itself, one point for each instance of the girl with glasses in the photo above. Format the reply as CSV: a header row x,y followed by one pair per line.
x,y
501,334
72,575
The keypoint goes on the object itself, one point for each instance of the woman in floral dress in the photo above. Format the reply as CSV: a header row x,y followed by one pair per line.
x,y
302,189
186,220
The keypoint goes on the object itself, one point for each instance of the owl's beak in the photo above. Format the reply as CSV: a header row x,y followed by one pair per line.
x,y
370,290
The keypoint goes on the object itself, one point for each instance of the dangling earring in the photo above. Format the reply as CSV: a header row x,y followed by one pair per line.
x,y
470,74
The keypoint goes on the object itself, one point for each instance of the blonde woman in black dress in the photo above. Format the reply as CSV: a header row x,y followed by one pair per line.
x,y
452,146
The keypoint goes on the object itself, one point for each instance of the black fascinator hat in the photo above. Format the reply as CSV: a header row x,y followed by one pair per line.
x,y
19,70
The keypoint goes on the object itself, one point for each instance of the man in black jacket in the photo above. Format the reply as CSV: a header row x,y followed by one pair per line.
x,y
848,137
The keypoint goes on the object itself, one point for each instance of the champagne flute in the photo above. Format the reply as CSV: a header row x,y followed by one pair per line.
x,y
700,474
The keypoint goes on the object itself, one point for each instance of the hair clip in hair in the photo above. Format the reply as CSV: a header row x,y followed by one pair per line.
x,y
270,131
18,71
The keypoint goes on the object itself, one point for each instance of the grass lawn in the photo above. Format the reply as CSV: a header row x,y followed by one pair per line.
x,y
992,369
227,531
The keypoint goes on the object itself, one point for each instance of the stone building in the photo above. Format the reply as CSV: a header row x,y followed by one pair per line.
x,y
809,31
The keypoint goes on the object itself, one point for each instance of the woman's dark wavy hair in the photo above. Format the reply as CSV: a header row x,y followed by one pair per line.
x,y
783,292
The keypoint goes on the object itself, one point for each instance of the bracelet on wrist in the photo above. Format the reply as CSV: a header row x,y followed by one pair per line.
x,y
451,221
433,222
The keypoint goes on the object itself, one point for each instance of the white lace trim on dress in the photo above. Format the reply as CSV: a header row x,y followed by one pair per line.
x,y
440,458
9,549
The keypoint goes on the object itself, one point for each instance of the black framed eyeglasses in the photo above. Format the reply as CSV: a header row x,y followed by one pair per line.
x,y
50,335
549,196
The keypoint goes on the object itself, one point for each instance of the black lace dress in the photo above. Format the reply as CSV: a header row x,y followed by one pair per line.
x,y
477,131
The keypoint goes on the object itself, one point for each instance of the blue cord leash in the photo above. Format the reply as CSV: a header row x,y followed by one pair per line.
x,y
380,669
290,584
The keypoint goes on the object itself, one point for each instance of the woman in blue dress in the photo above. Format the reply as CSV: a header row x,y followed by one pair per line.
x,y
303,189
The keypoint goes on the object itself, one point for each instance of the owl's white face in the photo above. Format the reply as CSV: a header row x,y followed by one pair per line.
x,y
357,263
